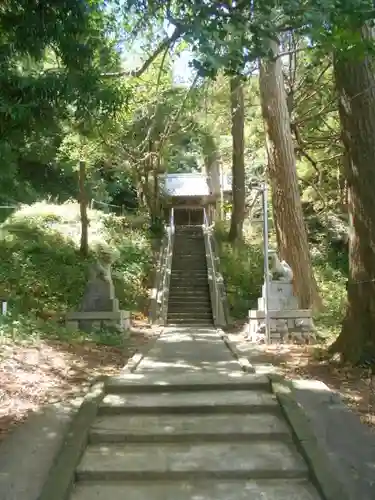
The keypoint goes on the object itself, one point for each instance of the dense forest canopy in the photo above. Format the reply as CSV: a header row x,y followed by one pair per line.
x,y
277,89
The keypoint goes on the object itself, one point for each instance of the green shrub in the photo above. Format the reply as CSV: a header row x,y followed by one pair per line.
x,y
242,269
42,272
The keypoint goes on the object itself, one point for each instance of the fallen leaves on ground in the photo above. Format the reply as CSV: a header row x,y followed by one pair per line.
x,y
355,386
32,375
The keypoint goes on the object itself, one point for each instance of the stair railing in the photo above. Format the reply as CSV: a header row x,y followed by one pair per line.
x,y
216,282
166,266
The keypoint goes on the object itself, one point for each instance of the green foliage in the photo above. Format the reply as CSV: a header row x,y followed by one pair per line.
x,y
42,272
242,269
52,55
328,236
234,35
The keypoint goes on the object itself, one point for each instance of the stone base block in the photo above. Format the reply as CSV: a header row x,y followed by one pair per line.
x,y
278,303
278,289
285,326
99,319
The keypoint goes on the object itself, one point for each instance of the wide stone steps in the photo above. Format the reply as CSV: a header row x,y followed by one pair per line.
x,y
186,256
214,489
187,291
190,299
194,427
197,322
189,280
198,271
189,277
196,402
190,437
204,307
185,315
181,461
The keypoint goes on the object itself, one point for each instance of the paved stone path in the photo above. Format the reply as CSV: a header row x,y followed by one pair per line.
x,y
190,425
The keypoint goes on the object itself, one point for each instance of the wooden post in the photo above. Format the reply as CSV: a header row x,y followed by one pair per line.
x,y
84,247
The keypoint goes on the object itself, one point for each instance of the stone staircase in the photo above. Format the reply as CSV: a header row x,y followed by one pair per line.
x,y
194,435
189,295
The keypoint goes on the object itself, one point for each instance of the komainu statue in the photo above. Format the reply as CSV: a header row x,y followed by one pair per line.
x,y
279,270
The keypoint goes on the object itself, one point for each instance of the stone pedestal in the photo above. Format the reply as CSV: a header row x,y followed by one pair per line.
x,y
100,319
288,323
99,307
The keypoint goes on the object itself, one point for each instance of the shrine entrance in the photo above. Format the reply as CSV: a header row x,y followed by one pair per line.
x,y
188,216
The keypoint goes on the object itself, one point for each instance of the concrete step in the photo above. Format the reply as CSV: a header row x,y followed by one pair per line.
x,y
175,298
202,288
182,263
189,299
193,266
197,402
190,274
192,239
186,315
195,307
178,294
185,274
188,428
190,284
136,383
183,246
178,461
192,322
185,253
200,310
215,489
188,279
201,272
192,306
189,249
198,256
183,294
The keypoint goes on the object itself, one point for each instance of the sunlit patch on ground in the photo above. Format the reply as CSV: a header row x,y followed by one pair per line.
x,y
51,371
354,385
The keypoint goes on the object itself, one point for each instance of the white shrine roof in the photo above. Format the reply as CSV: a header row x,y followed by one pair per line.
x,y
191,184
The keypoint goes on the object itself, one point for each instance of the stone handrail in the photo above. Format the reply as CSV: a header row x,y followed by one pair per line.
x,y
215,280
159,298
167,265
154,307
221,281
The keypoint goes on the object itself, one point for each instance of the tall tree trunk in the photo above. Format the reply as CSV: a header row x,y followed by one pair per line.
x,y
355,83
238,158
290,226
83,202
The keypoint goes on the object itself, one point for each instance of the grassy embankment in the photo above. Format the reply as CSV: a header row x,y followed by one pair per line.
x,y
42,273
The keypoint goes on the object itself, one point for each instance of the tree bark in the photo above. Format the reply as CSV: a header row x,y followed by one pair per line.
x,y
355,83
83,202
238,158
289,224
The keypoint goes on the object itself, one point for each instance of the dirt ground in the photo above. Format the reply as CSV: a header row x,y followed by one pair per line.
x,y
34,375
355,386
